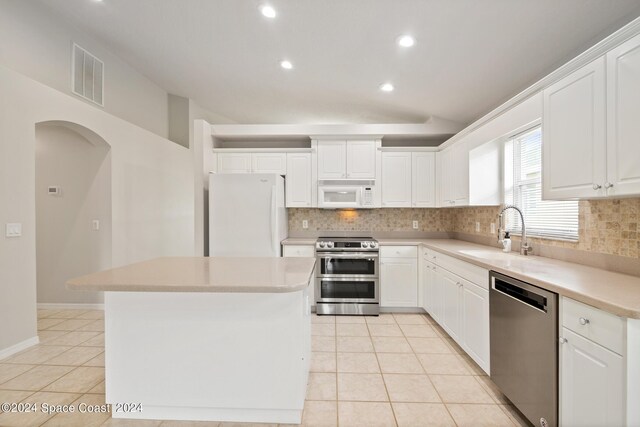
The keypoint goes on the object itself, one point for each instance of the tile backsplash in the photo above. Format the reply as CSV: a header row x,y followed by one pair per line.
x,y
605,226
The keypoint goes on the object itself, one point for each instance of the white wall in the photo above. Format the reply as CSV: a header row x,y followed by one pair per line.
x,y
67,245
37,43
152,192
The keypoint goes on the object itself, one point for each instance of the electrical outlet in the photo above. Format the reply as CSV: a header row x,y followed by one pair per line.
x,y
13,229
477,227
415,225
95,224
493,228
305,223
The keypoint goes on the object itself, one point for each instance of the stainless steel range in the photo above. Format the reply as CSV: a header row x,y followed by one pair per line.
x,y
347,276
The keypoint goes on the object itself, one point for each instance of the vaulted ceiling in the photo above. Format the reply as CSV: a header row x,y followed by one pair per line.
x,y
469,56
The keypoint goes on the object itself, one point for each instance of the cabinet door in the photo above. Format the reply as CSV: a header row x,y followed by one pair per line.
x,y
361,159
396,179
303,251
234,162
298,180
399,282
269,163
445,180
475,323
423,180
592,384
437,292
451,290
429,293
573,135
460,180
332,157
623,114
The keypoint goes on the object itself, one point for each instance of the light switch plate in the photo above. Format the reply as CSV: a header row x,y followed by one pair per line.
x,y
477,227
13,229
493,228
305,224
95,224
415,225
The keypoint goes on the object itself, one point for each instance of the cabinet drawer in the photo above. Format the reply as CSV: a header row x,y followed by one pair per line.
x,y
298,251
399,251
599,326
472,273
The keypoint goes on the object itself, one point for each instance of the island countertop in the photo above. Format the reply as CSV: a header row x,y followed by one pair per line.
x,y
203,274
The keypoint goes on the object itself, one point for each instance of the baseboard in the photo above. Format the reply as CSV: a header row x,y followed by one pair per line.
x,y
69,306
19,347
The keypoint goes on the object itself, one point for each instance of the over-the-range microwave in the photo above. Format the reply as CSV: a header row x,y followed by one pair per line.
x,y
345,193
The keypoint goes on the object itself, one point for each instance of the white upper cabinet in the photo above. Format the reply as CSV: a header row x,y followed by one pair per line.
x,y
623,119
269,163
252,163
423,180
361,159
234,162
574,134
454,176
299,185
332,159
347,159
396,179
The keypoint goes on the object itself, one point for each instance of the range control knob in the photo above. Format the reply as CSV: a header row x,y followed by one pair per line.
x,y
321,244
365,244
373,244
329,244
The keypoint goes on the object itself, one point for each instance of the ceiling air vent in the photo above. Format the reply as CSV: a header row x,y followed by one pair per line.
x,y
87,75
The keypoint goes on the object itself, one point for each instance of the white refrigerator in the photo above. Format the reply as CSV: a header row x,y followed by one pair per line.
x,y
247,215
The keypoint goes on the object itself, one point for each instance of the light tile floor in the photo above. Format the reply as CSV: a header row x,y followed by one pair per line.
x,y
391,370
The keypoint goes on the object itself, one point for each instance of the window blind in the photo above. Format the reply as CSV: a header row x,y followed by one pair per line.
x,y
523,188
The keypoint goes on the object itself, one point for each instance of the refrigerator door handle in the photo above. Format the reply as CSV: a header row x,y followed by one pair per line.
x,y
273,218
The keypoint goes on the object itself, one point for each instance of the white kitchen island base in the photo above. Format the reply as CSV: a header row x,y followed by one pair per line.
x,y
201,356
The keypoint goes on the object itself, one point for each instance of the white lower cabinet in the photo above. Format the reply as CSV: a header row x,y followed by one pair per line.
x,y
475,322
303,251
593,372
451,299
592,384
398,277
456,295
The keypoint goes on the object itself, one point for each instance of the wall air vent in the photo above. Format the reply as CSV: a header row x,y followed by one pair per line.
x,y
87,75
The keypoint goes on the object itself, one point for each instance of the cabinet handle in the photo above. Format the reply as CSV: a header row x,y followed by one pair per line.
x,y
563,340
608,185
583,321
597,186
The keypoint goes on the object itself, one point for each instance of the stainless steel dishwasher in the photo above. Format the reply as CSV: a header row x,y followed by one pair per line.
x,y
524,347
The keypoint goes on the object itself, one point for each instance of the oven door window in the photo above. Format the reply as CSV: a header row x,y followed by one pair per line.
x,y
347,289
348,266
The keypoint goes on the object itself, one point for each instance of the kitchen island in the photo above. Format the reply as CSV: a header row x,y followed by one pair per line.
x,y
206,339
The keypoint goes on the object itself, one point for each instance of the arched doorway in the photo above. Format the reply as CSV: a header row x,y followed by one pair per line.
x,y
73,210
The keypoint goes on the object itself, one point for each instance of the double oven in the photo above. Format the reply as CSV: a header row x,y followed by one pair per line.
x,y
347,276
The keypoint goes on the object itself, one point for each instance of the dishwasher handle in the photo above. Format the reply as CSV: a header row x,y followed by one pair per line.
x,y
525,296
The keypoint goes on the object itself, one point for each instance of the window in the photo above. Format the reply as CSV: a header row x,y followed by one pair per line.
x,y
523,188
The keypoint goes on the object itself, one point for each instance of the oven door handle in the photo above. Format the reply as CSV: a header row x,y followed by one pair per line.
x,y
356,255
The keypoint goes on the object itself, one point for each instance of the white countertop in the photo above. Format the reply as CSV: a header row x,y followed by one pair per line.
x,y
613,292
203,274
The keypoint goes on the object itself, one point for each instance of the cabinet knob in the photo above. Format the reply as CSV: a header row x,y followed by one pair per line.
x,y
583,321
563,340
597,186
608,185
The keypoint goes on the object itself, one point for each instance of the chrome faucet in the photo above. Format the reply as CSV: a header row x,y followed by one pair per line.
x,y
525,247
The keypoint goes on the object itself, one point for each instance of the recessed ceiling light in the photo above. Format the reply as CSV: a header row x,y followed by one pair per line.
x,y
287,65
268,11
406,41
386,87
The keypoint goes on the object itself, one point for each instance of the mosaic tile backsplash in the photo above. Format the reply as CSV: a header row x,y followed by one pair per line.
x,y
605,226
